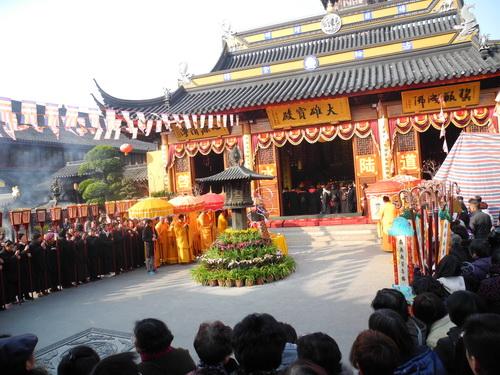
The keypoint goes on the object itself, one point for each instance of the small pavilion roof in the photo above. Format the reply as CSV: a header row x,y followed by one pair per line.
x,y
234,174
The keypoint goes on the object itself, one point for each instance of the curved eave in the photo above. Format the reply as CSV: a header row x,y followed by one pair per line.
x,y
114,102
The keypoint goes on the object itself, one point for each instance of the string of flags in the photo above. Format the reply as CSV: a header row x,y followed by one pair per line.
x,y
18,116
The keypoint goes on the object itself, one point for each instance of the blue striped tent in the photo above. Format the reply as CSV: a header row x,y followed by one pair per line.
x,y
474,164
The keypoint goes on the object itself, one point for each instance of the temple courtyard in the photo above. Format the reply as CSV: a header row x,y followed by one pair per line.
x,y
339,269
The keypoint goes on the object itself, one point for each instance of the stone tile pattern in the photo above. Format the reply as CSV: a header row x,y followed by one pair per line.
x,y
104,342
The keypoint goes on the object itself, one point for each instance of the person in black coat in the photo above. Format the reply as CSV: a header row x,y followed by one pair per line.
x,y
106,239
52,262
351,198
25,267
9,272
38,264
93,255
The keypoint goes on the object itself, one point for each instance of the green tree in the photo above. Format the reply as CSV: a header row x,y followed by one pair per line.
x,y
104,167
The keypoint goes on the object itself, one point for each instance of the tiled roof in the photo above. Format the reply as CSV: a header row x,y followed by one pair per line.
x,y
234,174
347,41
415,68
137,172
68,138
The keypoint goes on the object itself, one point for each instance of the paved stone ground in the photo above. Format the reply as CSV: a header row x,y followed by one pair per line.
x,y
330,292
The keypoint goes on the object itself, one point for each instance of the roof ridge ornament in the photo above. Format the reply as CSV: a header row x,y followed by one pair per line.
x,y
184,76
469,23
233,42
446,6
331,22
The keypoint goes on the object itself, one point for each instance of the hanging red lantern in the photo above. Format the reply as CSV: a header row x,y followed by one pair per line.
x,y
126,148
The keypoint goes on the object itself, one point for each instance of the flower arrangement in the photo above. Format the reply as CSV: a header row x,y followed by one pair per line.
x,y
241,258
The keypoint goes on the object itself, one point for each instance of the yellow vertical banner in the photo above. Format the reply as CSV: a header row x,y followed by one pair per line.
x,y
156,171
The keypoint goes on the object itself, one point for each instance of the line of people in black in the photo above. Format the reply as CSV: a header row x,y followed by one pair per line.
x,y
64,258
324,199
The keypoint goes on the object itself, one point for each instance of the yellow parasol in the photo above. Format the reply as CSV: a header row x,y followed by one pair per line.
x,y
187,203
149,208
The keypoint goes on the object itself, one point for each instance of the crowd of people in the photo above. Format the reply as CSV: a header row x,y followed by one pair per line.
x,y
76,253
440,333
324,199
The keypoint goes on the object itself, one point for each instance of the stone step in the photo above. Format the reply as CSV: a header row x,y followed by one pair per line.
x,y
327,236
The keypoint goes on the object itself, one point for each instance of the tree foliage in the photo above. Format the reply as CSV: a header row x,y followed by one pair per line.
x,y
104,167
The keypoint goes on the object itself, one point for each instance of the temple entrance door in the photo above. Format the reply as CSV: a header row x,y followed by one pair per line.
x,y
208,165
431,145
306,167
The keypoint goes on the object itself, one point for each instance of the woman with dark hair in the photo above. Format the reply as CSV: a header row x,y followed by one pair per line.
x,y
153,342
322,350
414,359
480,250
122,364
460,305
395,300
431,310
258,343
428,284
80,360
374,353
213,346
449,274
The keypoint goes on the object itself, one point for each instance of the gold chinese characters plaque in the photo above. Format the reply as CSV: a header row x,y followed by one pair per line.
x,y
455,96
324,111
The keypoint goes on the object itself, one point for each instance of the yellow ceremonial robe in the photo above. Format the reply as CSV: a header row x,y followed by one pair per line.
x,y
172,254
387,216
221,223
194,236
162,230
204,222
182,240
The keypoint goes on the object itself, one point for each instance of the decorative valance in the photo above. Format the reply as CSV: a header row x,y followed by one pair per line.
x,y
462,118
323,133
204,147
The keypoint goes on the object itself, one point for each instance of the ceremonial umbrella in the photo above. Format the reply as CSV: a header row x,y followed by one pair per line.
x,y
150,208
214,202
408,181
187,203
384,187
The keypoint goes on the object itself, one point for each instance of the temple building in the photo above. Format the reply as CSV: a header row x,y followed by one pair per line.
x,y
363,92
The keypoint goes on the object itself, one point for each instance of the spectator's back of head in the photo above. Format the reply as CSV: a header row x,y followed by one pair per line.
x,y
462,304
479,248
321,349
391,299
391,324
258,343
117,364
80,360
449,266
429,284
303,367
16,353
374,353
213,343
482,340
152,336
290,333
429,308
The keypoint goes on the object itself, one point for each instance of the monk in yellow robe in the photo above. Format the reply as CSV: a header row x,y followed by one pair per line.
x,y
388,213
162,229
172,254
205,222
194,235
221,222
180,229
